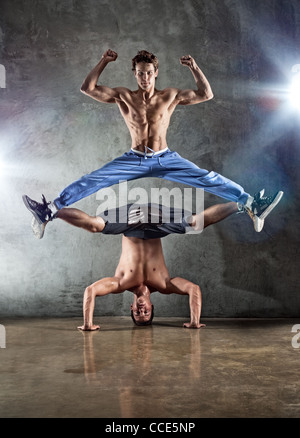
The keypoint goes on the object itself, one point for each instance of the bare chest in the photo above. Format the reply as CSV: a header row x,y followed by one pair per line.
x,y
151,111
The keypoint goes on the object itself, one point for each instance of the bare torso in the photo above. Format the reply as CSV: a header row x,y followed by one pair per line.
x,y
146,111
142,262
147,117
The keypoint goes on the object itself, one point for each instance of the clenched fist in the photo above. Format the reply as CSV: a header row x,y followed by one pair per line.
x,y
109,55
187,60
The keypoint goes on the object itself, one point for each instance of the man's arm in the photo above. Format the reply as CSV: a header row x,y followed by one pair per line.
x,y
181,286
105,286
99,92
203,92
195,302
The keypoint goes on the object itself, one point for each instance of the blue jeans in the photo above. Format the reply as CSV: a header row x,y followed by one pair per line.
x,y
167,165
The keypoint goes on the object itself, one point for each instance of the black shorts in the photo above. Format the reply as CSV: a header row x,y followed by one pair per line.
x,y
157,221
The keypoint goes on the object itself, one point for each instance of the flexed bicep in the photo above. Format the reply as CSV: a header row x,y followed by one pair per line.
x,y
202,93
103,94
100,92
189,97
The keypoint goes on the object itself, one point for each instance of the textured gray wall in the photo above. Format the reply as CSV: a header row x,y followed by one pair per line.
x,y
51,134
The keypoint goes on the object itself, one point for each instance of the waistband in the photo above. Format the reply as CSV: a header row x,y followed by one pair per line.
x,y
149,154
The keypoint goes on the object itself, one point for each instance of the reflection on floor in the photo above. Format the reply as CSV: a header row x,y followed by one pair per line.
x,y
230,368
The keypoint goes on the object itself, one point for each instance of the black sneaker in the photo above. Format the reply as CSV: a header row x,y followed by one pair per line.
x,y
40,211
261,207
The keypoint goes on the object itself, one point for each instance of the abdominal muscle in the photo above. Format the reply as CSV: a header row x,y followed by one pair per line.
x,y
152,135
148,122
142,262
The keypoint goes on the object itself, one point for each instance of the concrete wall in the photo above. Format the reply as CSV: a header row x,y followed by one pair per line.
x,y
51,134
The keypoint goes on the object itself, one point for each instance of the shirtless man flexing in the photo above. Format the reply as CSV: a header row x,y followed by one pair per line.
x,y
147,112
142,268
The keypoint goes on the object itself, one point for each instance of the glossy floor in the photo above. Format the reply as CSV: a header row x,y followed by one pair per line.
x,y
230,368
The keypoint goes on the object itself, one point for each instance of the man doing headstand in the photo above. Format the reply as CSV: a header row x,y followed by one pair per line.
x,y
142,269
147,112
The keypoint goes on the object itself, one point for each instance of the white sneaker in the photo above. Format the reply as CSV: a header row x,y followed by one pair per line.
x,y
261,207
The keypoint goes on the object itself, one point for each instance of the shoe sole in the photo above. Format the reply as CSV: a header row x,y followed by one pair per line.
x,y
271,206
37,228
258,224
24,197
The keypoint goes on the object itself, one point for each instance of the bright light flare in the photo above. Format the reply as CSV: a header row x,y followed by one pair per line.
x,y
294,91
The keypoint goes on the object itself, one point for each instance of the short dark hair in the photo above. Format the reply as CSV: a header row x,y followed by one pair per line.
x,y
149,322
144,56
